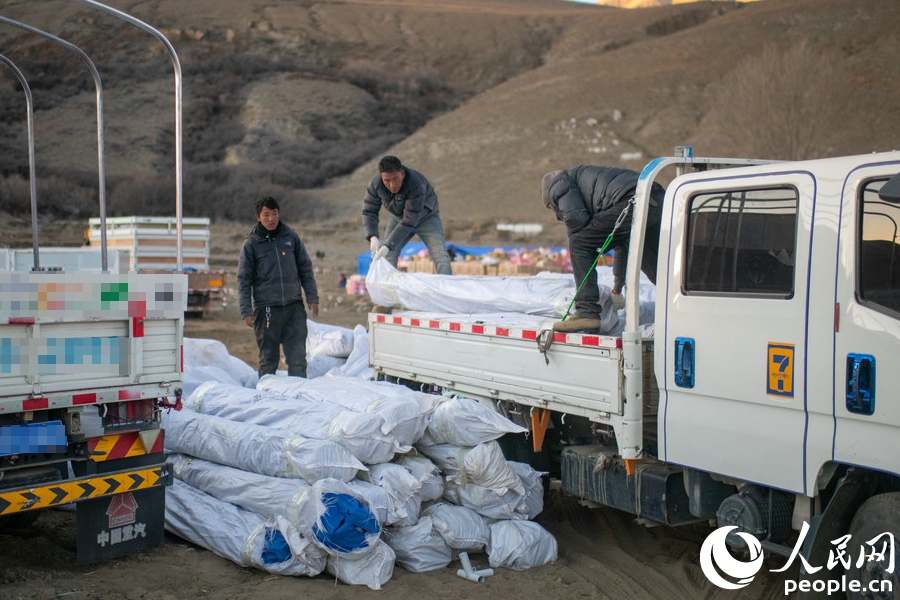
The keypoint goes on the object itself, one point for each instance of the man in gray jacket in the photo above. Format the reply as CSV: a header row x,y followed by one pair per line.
x,y
590,199
413,208
274,270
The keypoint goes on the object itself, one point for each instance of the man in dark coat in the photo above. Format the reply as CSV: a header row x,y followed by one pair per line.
x,y
413,208
274,271
589,200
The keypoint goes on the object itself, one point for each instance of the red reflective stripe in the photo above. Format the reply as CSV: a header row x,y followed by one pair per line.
x,y
530,334
36,404
477,328
380,318
398,320
434,324
414,322
454,327
503,332
129,394
21,320
84,399
590,340
559,338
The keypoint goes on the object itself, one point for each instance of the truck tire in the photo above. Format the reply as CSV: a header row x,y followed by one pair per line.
x,y
878,515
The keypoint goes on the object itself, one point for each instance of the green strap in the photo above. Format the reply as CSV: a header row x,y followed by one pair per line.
x,y
600,253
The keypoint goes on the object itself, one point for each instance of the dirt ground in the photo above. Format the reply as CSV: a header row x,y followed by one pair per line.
x,y
603,553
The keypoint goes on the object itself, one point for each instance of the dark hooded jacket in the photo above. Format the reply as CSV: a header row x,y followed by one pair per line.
x,y
273,269
415,202
580,193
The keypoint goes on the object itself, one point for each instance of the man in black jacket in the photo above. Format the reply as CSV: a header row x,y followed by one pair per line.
x,y
413,208
589,200
274,270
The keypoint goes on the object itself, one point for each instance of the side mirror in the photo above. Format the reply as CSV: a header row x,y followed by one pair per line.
x,y
890,191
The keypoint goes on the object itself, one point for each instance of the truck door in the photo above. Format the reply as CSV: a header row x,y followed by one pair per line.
x,y
732,315
867,328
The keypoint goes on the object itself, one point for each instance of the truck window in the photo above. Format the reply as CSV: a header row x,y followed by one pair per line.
x,y
879,255
742,242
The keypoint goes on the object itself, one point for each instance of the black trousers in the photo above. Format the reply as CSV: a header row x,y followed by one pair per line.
x,y
277,326
583,246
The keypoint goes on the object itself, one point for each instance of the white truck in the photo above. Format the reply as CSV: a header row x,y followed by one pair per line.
x,y
88,360
754,403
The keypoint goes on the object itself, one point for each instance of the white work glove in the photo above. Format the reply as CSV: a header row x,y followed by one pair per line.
x,y
374,244
381,252
618,300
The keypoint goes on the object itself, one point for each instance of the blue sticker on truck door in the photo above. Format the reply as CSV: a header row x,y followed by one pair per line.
x,y
781,370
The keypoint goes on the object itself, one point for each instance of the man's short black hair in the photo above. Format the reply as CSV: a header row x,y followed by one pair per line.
x,y
266,202
389,164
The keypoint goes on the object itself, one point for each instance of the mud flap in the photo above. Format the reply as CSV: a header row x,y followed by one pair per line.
x,y
113,526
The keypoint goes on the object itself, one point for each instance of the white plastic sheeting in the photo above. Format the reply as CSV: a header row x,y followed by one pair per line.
x,y
405,411
337,519
461,527
419,547
256,448
261,494
372,570
546,294
328,340
360,433
466,422
501,505
482,465
520,545
402,488
431,483
241,536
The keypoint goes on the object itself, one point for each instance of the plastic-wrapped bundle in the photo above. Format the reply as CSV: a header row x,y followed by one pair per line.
x,y
405,411
428,474
482,465
328,340
520,545
318,365
466,422
338,519
261,494
256,448
402,488
213,353
462,528
495,505
419,548
357,364
241,536
358,432
372,570
546,294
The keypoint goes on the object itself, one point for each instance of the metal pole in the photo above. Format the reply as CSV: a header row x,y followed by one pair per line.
x,y
99,87
176,64
29,105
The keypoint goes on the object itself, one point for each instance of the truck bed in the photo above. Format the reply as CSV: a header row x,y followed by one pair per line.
x,y
578,374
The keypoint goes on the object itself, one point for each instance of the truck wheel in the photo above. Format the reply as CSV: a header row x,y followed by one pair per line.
x,y
879,515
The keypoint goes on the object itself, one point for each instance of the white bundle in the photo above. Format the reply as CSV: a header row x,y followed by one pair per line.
x,y
318,365
419,548
466,422
484,501
372,570
546,294
462,528
357,364
213,353
402,488
256,448
506,505
405,411
264,495
337,519
429,475
532,503
482,465
360,433
243,537
520,545
194,377
328,340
